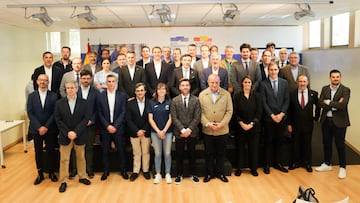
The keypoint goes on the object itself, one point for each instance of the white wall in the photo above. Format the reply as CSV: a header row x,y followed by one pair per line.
x,y
20,53
282,36
347,60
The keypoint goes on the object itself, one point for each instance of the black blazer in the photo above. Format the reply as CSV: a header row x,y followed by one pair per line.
x,y
177,75
136,122
223,74
275,104
91,101
61,67
304,118
40,116
119,112
263,75
152,81
76,122
55,80
127,85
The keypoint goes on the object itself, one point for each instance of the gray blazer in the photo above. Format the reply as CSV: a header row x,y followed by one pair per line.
x,y
199,67
238,72
185,117
68,76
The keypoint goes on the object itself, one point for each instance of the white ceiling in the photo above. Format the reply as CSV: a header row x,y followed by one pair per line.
x,y
128,13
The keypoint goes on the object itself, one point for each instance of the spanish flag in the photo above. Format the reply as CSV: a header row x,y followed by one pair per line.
x,y
87,60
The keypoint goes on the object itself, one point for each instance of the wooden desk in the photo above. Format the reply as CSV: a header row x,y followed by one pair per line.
x,y
5,126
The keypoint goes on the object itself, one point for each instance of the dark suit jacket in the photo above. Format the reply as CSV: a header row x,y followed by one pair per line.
x,y
263,75
177,75
61,67
152,80
185,117
40,116
274,104
223,74
127,85
134,120
76,122
238,72
91,101
55,80
339,109
304,118
119,112
287,75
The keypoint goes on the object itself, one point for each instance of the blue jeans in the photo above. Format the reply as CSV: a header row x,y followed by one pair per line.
x,y
161,146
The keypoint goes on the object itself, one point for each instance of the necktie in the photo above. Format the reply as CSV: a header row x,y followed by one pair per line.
x,y
275,88
282,64
247,68
78,79
302,100
185,102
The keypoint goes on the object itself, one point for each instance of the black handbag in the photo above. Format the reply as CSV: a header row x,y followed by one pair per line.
x,y
307,195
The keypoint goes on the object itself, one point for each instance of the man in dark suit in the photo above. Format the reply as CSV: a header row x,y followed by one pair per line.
x,y
184,72
192,50
111,108
215,68
139,130
71,116
145,54
264,65
40,109
301,116
186,114
54,74
89,93
244,67
291,71
74,74
276,99
283,60
156,71
334,99
130,75
64,64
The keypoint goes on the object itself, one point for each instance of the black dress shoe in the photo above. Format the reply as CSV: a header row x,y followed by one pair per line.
x,y
266,169
223,178
62,187
254,173
124,175
208,178
52,177
104,175
147,175
72,174
238,172
91,175
293,166
84,181
133,176
39,179
308,168
280,168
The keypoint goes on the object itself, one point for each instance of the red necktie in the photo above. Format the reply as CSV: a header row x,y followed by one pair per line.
x,y
302,100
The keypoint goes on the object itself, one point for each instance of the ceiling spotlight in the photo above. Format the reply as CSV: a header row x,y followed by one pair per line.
x,y
230,14
88,16
43,17
164,13
304,12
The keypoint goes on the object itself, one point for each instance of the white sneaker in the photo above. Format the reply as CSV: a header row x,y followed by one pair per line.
x,y
342,173
157,179
168,178
323,167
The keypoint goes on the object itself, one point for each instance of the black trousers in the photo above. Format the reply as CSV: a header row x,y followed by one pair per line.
x,y
215,147
330,131
273,139
118,140
190,143
51,142
301,145
251,140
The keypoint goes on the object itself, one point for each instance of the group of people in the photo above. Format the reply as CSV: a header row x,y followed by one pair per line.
x,y
158,100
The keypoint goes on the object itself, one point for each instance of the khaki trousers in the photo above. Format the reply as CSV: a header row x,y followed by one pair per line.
x,y
65,151
141,152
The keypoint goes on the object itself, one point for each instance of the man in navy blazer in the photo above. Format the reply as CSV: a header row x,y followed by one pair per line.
x,y
215,68
276,99
40,108
156,71
71,116
89,93
111,111
49,70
